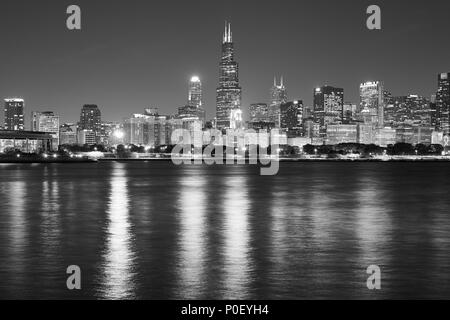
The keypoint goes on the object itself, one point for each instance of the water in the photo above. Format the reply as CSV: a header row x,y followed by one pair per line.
x,y
156,231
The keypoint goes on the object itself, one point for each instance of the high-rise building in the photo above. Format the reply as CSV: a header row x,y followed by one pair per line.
x,y
229,92
278,96
412,110
194,107
328,107
420,110
46,122
259,112
107,137
434,116
14,118
350,110
134,129
91,119
291,118
443,102
191,112
195,97
372,96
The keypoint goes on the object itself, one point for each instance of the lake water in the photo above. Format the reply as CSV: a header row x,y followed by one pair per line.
x,y
156,231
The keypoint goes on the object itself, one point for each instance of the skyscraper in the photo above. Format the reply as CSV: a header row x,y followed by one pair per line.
x,y
291,115
46,122
372,103
14,119
195,97
328,107
278,96
259,112
90,119
194,108
229,93
443,102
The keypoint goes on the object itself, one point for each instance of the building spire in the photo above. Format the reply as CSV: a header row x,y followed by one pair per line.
x,y
225,33
281,81
228,35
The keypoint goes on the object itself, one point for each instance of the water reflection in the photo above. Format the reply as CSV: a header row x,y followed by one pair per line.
x,y
192,241
17,228
373,222
236,233
50,213
17,196
119,258
215,233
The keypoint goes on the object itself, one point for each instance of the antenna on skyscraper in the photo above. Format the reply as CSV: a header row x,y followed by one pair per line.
x,y
228,35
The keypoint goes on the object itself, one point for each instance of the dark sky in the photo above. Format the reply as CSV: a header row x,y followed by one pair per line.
x,y
135,54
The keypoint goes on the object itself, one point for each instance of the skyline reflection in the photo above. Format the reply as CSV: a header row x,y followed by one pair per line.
x,y
152,231
192,236
118,276
236,238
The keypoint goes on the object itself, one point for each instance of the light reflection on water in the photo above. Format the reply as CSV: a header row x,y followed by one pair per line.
x,y
118,259
153,230
236,238
15,196
50,213
192,237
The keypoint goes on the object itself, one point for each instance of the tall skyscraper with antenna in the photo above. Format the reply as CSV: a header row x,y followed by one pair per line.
x,y
278,96
229,92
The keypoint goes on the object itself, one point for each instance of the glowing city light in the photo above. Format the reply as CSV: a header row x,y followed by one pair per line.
x,y
119,134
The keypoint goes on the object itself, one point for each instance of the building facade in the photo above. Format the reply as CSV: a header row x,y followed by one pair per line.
x,y
24,141
328,107
91,119
291,118
278,96
259,112
46,121
443,103
342,133
14,116
372,101
68,134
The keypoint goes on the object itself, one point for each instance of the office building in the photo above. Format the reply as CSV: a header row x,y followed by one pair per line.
x,y
14,114
372,102
229,92
48,122
291,118
328,107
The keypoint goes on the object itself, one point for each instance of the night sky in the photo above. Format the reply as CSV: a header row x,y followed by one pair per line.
x,y
136,54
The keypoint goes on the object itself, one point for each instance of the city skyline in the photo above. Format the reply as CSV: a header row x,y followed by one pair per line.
x,y
411,118
65,87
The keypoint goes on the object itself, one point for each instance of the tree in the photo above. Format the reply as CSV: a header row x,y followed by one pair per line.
x,y
309,149
401,149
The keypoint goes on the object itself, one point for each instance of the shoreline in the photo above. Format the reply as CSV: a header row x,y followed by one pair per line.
x,y
100,160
